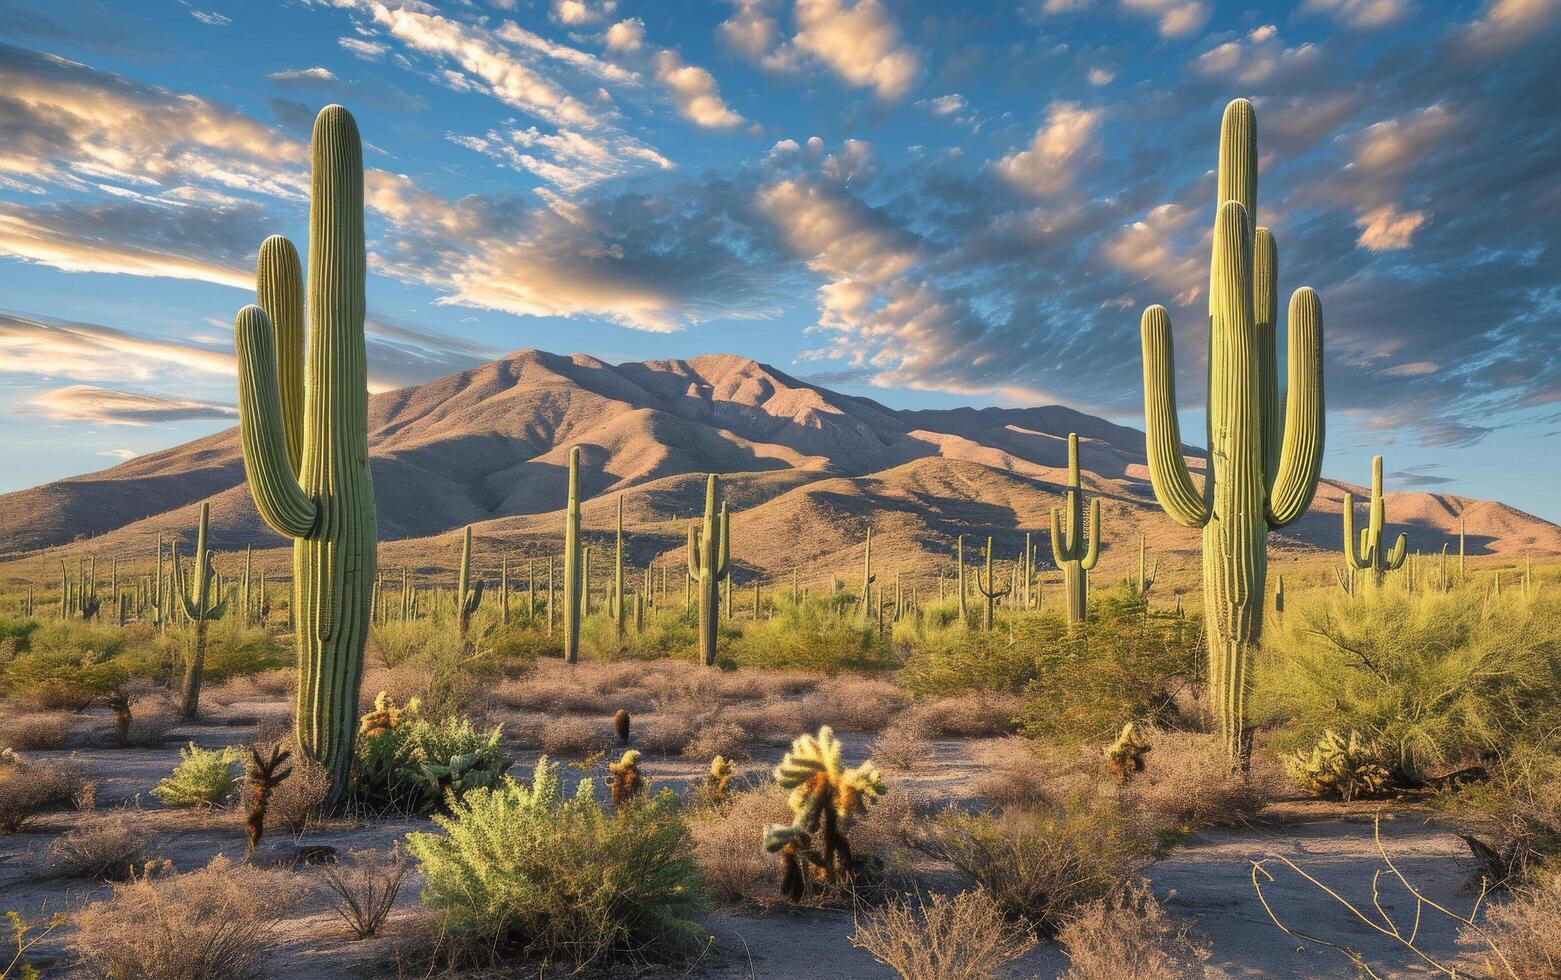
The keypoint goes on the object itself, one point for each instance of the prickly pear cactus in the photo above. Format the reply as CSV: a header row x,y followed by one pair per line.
x,y
1340,768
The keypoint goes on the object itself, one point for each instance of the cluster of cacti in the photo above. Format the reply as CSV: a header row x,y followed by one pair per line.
x,y
988,589
1125,756
1340,768
825,801
1263,462
1075,550
305,440
709,563
1369,555
200,599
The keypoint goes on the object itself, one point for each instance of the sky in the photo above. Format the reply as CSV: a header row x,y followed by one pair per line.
x,y
929,204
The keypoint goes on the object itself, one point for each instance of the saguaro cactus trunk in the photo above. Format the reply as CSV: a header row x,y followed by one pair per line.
x,y
305,440
573,564
468,595
709,562
1263,464
200,599
1069,549
1369,555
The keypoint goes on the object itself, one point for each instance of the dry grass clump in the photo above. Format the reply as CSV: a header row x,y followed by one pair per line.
x,y
587,687
723,738
1015,771
401,683
965,937
107,848
34,731
1190,783
902,746
151,721
275,684
856,704
973,714
1129,935
727,845
664,733
213,924
1527,930
574,737
773,722
365,889
28,789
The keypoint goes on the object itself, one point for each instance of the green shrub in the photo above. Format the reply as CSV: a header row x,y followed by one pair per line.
x,y
519,866
810,636
17,633
1432,678
203,777
952,659
235,652
412,766
68,664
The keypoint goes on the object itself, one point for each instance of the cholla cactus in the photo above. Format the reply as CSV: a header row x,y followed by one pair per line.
x,y
1344,769
624,780
386,715
718,779
265,774
1125,756
825,801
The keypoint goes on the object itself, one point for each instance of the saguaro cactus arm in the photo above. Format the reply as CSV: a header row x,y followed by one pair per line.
x,y
1294,483
264,427
1168,473
279,291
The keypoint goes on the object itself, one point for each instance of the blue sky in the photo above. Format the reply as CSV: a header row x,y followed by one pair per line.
x,y
928,204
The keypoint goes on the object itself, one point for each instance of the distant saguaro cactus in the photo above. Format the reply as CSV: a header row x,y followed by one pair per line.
x,y
1069,550
468,594
709,561
1263,463
305,440
989,590
1369,554
199,598
573,565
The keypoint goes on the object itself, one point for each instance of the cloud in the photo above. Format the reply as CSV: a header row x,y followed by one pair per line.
x,y
1047,165
1396,144
752,30
567,159
107,406
626,36
1102,75
121,454
1504,25
210,18
695,93
1175,18
945,105
1388,229
1256,58
856,39
326,84
88,352
1359,14
578,13
367,50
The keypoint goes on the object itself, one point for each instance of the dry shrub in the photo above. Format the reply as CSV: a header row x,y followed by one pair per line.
x,y
266,685
902,746
966,937
727,844
1015,771
34,732
151,721
108,848
722,738
574,737
1526,929
365,889
666,734
587,688
402,684
774,722
297,802
974,714
1129,935
1044,863
212,924
1190,782
856,704
27,789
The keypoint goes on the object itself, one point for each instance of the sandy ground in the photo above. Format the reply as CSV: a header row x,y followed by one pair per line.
x,y
1207,883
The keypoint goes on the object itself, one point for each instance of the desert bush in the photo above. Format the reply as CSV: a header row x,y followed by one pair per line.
x,y
233,651
853,703
213,924
1190,783
364,888
966,937
574,737
266,685
151,721
723,738
16,633
1432,678
1339,768
810,636
726,844
1128,934
203,777
972,714
68,665
664,733
33,731
410,764
29,789
565,879
1018,772
902,746
954,660
1527,931
1043,863
108,848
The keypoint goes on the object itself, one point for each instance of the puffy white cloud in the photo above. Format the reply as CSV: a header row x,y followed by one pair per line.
x,y
1175,18
1394,144
576,13
858,40
626,35
1256,58
1359,14
1505,24
1047,165
752,30
367,50
1102,75
567,159
695,93
1388,229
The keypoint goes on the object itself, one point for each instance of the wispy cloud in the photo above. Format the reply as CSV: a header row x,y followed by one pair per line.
x,y
109,406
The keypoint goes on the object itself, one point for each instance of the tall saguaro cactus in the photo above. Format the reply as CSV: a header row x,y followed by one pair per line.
x,y
304,428
199,598
468,595
709,561
619,603
989,591
1075,551
868,578
1263,462
1369,554
573,565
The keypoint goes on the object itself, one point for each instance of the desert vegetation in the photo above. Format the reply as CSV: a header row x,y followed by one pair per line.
x,y
600,765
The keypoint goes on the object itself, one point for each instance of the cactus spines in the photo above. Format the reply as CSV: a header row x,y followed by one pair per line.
x,y
709,561
468,595
201,603
988,589
1263,464
1074,550
306,453
1369,554
825,801
572,565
